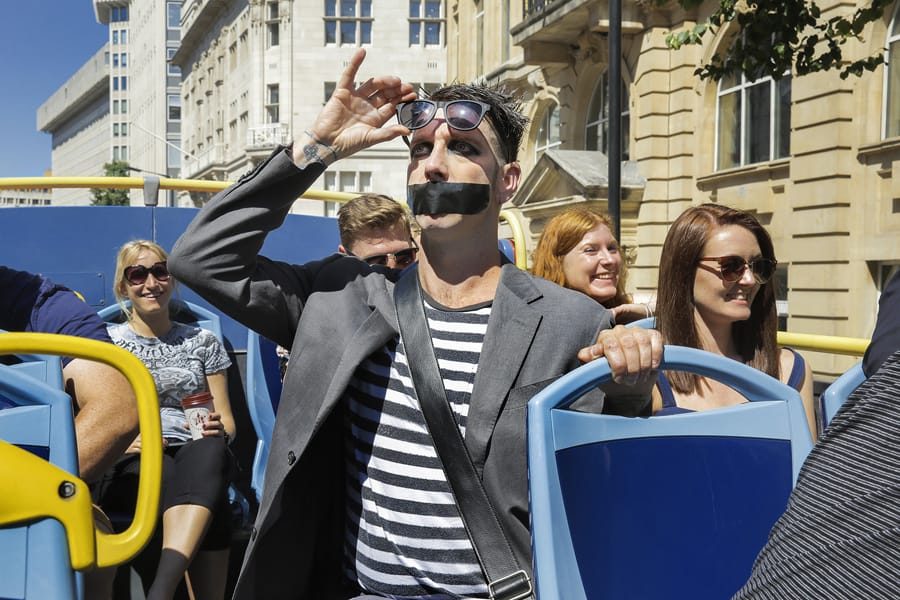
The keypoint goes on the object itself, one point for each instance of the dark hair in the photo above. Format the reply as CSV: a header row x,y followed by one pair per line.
x,y
504,116
681,253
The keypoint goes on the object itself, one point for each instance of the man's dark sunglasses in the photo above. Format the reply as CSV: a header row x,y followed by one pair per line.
x,y
462,115
402,258
137,274
731,268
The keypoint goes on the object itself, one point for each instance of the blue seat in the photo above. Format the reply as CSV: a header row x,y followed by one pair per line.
x,y
646,323
263,393
181,311
661,507
43,367
834,396
34,559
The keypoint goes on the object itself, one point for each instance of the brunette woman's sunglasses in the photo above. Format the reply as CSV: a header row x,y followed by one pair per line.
x,y
462,115
731,268
137,274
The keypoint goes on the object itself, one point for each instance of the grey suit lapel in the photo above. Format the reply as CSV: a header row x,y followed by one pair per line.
x,y
511,329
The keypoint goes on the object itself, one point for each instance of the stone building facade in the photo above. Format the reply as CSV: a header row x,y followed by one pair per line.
x,y
816,158
255,72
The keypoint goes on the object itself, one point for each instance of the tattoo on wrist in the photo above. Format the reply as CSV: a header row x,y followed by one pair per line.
x,y
316,151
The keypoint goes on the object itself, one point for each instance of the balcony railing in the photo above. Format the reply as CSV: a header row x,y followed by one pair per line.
x,y
214,155
268,135
535,7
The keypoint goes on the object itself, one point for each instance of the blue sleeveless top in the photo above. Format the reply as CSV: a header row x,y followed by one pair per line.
x,y
669,407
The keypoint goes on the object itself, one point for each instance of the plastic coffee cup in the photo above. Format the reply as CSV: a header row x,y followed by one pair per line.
x,y
197,408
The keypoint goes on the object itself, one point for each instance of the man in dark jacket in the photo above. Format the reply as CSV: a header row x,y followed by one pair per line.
x,y
356,502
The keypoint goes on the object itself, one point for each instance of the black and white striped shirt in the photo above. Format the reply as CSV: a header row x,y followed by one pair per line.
x,y
840,534
405,537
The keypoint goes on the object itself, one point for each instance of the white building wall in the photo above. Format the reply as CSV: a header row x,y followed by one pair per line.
x,y
77,118
235,35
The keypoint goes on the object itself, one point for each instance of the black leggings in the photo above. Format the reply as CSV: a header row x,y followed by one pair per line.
x,y
193,473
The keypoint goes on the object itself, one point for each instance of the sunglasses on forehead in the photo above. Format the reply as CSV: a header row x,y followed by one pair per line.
x,y
732,268
462,115
402,258
137,274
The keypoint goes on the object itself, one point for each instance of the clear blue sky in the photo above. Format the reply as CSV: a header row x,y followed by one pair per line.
x,y
43,44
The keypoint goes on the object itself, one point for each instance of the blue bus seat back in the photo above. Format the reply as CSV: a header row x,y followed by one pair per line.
x,y
506,247
181,311
646,323
674,506
43,367
263,394
834,396
34,559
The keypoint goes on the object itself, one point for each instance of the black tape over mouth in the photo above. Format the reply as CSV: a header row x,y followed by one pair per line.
x,y
448,198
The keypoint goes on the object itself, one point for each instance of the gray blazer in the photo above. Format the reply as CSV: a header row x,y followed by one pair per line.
x,y
334,313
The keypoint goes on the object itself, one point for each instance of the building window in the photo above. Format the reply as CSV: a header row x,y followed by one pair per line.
x,y
124,129
173,157
119,14
115,130
596,131
173,15
353,26
173,102
173,70
115,84
115,37
548,132
116,153
425,23
272,24
123,36
272,93
753,120
329,90
345,181
124,107
124,154
115,107
892,77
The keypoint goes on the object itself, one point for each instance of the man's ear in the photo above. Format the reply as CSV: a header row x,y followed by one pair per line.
x,y
342,250
512,173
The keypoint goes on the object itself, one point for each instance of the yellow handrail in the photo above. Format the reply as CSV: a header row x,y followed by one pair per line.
x,y
823,343
518,237
188,185
74,509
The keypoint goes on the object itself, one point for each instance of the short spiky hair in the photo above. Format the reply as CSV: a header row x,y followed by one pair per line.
x,y
367,212
505,115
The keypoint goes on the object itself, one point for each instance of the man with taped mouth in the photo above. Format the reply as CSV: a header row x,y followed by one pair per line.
x,y
399,446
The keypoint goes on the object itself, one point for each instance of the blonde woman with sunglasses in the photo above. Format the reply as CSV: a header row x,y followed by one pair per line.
x,y
716,293
183,360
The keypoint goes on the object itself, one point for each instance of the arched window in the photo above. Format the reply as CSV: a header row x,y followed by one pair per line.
x,y
596,130
753,120
548,132
892,76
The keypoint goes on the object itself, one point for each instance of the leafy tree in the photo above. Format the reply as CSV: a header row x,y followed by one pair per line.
x,y
112,197
780,36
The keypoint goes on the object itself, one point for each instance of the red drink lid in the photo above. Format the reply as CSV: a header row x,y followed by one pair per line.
x,y
196,400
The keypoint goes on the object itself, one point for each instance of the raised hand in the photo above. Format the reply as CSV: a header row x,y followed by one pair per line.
x,y
353,117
